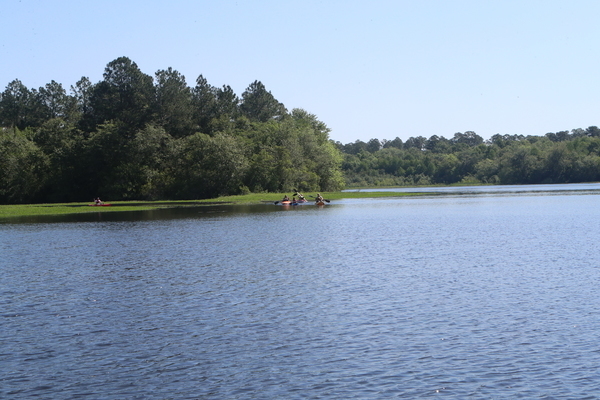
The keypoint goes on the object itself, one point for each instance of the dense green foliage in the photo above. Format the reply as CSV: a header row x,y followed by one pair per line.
x,y
136,137
562,157
132,136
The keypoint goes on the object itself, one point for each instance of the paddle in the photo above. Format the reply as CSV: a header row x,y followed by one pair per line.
x,y
328,201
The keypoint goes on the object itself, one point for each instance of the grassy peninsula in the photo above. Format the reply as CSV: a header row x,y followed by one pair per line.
x,y
22,210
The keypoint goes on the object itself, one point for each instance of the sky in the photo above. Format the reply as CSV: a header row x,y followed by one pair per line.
x,y
367,69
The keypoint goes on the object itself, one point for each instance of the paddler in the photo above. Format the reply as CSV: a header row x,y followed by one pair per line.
x,y
319,198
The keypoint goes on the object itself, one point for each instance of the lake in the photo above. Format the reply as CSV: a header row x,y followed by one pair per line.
x,y
479,293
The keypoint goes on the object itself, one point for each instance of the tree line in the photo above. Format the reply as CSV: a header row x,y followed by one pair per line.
x,y
134,136
557,157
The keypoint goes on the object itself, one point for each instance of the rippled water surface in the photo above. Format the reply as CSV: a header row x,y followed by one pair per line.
x,y
454,296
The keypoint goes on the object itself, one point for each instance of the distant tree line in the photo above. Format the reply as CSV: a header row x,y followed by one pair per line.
x,y
561,157
134,136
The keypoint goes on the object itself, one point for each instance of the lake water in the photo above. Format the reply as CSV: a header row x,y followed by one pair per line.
x,y
452,295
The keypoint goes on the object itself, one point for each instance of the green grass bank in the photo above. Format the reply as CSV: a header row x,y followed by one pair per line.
x,y
21,210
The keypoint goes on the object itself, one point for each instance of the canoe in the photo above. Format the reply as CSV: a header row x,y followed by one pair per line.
x,y
100,205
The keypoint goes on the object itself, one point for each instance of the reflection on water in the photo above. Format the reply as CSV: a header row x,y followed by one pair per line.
x,y
454,296
147,215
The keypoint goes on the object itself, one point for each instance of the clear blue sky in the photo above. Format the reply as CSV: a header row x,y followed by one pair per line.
x,y
368,69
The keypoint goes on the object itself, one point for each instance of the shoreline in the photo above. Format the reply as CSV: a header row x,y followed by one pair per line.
x,y
24,210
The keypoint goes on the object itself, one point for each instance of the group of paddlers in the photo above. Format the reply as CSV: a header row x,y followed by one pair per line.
x,y
301,198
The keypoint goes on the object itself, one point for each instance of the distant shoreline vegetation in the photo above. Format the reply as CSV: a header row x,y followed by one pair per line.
x,y
466,159
133,136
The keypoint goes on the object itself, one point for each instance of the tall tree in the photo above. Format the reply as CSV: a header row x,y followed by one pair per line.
x,y
469,138
82,93
396,143
374,145
126,94
204,100
227,102
227,110
593,131
259,105
319,128
418,142
16,105
56,101
174,103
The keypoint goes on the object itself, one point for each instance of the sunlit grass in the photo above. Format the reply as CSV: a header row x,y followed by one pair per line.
x,y
66,208
21,210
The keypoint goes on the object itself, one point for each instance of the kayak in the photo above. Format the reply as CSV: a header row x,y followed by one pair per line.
x,y
100,205
293,203
320,203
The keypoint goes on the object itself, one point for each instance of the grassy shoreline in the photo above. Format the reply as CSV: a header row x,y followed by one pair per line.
x,y
22,210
